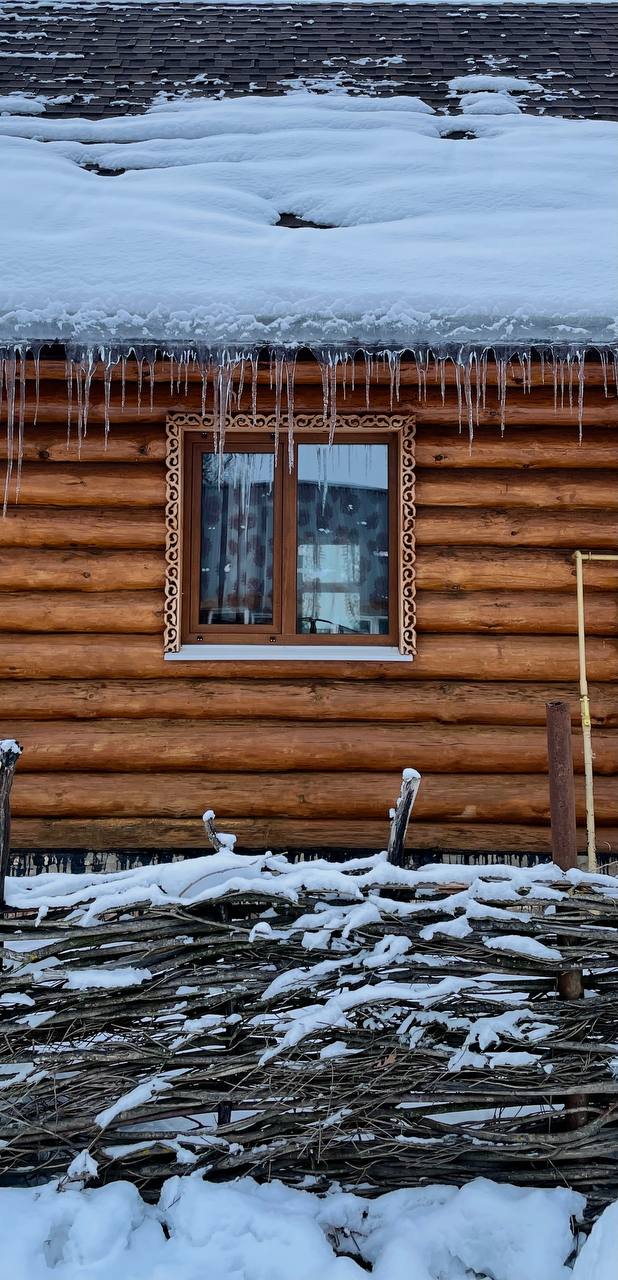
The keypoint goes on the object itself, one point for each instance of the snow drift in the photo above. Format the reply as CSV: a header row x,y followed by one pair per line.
x,y
165,227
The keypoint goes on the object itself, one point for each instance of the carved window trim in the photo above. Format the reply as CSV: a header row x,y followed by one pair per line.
x,y
179,424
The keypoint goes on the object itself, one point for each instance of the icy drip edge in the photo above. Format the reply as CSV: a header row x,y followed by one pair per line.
x,y
226,373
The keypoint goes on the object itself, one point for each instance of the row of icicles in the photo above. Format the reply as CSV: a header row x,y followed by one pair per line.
x,y
224,375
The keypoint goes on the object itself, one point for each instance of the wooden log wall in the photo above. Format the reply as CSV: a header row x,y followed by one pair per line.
x,y
124,750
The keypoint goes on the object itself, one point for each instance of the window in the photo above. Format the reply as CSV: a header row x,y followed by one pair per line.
x,y
278,544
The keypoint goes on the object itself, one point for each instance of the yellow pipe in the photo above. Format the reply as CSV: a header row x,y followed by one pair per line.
x,y
584,702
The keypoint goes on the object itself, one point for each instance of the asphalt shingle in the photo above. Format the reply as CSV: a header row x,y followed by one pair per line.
x,y
115,59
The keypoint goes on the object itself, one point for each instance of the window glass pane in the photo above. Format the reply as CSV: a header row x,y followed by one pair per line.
x,y
236,545
342,569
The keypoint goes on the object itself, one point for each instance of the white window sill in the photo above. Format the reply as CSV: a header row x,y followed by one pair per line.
x,y
285,653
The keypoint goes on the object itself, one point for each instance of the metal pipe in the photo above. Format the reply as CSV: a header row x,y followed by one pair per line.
x,y
584,702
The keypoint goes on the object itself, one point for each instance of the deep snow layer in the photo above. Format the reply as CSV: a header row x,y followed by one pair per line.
x,y
242,1231
506,237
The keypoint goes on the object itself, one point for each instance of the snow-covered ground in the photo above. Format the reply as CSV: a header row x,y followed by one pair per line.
x,y
243,1231
508,236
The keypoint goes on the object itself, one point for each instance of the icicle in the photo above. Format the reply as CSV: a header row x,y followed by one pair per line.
x,y
502,363
108,368
603,359
254,385
279,362
325,389
140,379
36,355
467,381
203,368
290,381
152,368
10,369
68,374
581,380
90,367
458,386
79,372
333,399
123,381
241,381
368,376
21,415
442,365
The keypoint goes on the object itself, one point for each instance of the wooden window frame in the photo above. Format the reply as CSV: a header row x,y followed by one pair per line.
x,y
189,436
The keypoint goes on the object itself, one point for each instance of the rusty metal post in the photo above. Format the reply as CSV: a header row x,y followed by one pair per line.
x,y
561,785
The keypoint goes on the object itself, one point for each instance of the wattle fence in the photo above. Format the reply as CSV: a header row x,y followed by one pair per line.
x,y
358,1023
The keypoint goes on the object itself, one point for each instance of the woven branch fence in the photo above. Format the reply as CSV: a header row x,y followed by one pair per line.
x,y
362,1024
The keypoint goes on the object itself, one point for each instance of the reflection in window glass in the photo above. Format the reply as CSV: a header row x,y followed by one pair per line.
x,y
236,547
342,565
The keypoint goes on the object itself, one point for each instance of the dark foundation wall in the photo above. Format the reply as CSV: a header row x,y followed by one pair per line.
x,y
122,749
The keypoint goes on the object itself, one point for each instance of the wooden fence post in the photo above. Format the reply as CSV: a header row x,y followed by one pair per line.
x,y
10,752
400,816
571,987
561,785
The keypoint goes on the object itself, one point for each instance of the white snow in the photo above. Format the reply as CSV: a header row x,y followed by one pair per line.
x,y
508,237
83,1168
501,84
598,1259
134,1098
523,947
89,979
246,1231
488,104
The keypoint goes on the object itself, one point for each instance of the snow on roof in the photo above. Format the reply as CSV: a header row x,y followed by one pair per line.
x,y
507,235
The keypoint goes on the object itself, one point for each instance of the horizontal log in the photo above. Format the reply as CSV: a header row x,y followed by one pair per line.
x,y
123,611
559,447
472,798
441,526
553,570
506,613
436,448
452,657
537,409
309,699
85,484
103,569
308,372
41,834
539,489
515,612
255,746
128,444
24,526
96,569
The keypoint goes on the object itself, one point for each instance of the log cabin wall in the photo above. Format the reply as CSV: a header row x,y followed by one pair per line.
x,y
122,749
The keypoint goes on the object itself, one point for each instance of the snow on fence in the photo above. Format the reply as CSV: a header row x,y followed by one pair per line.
x,y
357,1022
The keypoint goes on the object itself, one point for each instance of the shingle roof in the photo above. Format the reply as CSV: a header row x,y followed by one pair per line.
x,y
113,59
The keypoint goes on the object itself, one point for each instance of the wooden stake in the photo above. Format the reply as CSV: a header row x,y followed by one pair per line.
x,y
400,816
561,785
571,987
10,752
